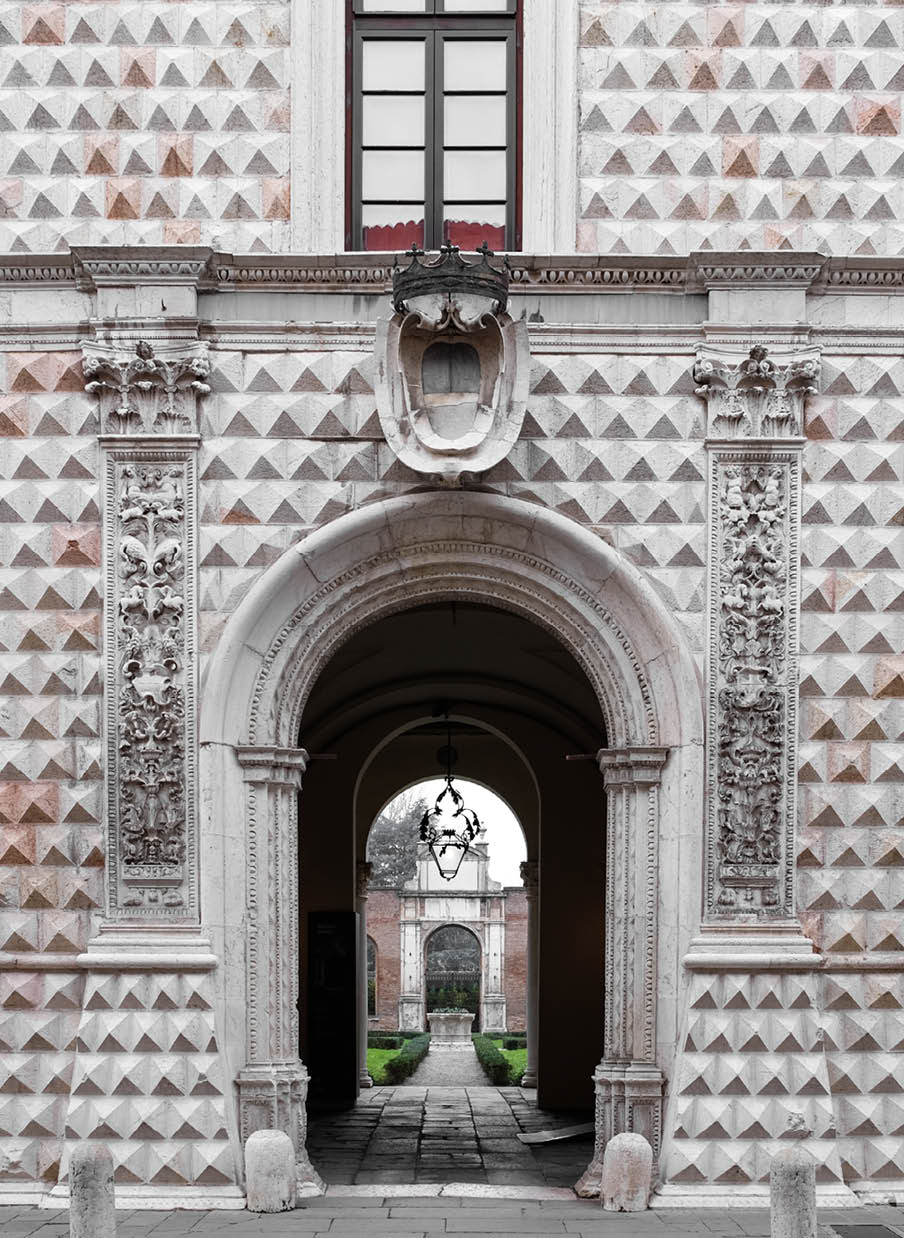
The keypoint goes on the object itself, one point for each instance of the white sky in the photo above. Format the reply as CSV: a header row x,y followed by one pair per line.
x,y
505,842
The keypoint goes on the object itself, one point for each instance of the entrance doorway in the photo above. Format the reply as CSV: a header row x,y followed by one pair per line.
x,y
305,614
517,705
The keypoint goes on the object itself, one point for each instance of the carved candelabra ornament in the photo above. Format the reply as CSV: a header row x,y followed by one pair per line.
x,y
751,664
452,366
146,393
755,398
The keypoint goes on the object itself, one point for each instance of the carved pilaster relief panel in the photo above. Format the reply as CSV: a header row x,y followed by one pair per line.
x,y
752,680
150,517
755,418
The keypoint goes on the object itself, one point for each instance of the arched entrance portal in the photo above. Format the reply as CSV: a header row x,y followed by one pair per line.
x,y
398,555
517,704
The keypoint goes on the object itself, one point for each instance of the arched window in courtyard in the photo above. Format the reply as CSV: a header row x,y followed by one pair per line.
x,y
371,978
452,970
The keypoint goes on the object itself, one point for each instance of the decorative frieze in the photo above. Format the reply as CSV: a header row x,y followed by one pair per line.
x,y
148,391
756,416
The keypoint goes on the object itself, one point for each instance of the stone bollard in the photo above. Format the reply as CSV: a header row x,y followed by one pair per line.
x,y
792,1194
270,1177
627,1173
91,1202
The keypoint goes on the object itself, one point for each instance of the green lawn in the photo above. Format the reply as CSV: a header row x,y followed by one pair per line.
x,y
517,1060
376,1063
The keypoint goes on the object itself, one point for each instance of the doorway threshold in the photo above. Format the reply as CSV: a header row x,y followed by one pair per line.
x,y
433,1190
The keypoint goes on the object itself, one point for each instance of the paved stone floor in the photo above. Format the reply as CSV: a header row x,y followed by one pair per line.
x,y
337,1216
445,1134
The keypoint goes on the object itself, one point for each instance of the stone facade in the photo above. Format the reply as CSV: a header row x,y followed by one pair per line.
x,y
704,503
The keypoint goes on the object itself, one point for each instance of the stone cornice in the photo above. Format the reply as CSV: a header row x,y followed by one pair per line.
x,y
91,267
116,266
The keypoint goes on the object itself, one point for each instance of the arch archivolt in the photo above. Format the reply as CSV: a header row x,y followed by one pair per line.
x,y
392,556
448,571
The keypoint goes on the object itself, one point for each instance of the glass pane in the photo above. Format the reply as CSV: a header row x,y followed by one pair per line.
x,y
475,6
474,120
470,226
399,6
393,64
393,120
389,175
392,227
474,64
474,174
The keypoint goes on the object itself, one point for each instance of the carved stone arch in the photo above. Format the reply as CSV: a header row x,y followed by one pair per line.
x,y
392,556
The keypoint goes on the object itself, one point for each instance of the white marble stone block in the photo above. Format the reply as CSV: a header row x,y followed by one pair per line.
x,y
627,1172
792,1194
91,1201
270,1172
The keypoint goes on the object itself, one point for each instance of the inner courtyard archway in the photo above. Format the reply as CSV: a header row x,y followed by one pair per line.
x,y
514,558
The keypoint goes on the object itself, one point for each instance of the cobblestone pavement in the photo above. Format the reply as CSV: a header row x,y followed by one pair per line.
x,y
445,1134
337,1216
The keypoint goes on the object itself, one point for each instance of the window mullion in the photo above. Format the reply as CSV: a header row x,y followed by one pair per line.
x,y
433,211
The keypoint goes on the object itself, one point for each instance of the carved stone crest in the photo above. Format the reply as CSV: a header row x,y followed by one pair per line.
x,y
755,398
452,366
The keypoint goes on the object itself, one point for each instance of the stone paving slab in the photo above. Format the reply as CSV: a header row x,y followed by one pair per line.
x,y
340,1216
441,1134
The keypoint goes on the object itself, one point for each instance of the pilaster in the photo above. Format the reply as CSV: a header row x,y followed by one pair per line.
x,y
363,871
530,878
628,1082
273,1084
755,422
148,389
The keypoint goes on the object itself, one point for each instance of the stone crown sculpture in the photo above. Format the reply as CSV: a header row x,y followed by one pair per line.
x,y
449,273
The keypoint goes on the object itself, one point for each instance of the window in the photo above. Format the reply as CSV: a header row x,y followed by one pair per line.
x,y
434,124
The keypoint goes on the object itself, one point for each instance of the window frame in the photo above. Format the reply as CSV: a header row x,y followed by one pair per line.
x,y
434,27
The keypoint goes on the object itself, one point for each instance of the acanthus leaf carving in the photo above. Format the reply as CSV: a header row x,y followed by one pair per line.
x,y
146,393
755,398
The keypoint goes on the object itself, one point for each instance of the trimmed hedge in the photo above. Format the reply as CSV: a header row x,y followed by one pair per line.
x,y
413,1052
517,1041
389,1040
495,1066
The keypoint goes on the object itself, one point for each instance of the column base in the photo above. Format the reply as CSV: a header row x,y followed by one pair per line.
x,y
365,1080
273,1096
628,1098
529,1079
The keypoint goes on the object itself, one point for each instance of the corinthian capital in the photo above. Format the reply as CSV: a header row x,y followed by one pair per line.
x,y
754,397
147,391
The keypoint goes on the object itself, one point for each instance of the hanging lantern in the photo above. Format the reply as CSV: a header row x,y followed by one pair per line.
x,y
449,828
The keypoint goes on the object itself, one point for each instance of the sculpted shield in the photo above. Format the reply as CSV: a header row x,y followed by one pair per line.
x,y
452,366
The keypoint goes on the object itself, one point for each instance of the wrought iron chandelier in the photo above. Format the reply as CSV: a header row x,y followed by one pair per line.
x,y
449,828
